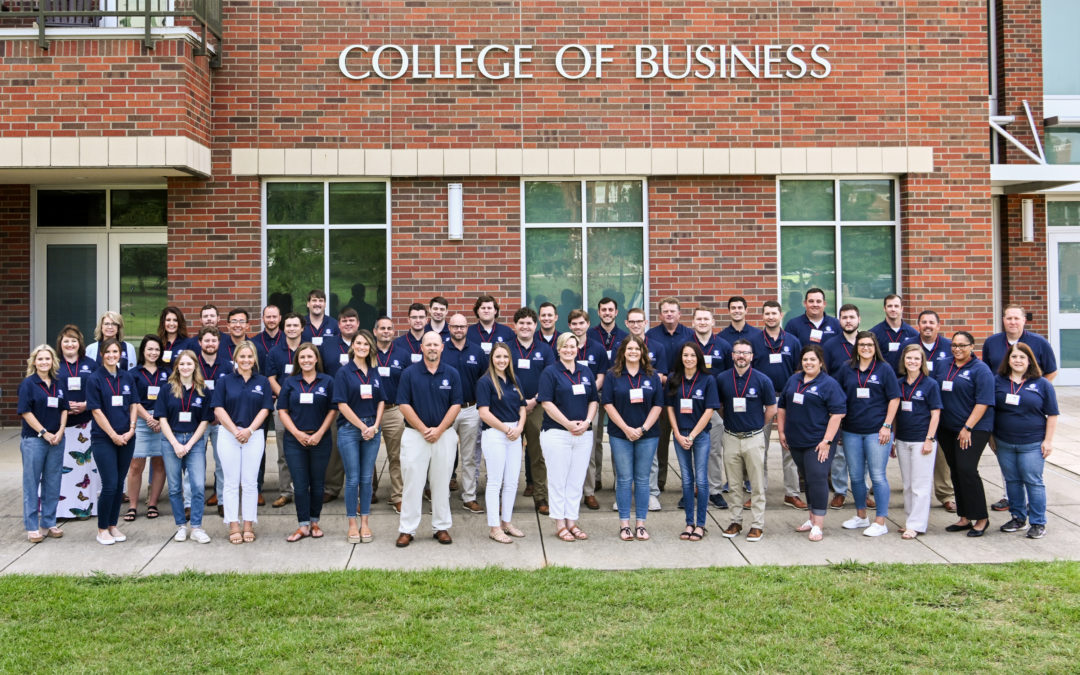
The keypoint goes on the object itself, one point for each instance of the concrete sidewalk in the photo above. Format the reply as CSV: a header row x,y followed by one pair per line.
x,y
150,549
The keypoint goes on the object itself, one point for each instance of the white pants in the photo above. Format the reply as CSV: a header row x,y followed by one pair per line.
x,y
716,455
567,458
503,459
467,427
240,464
431,463
917,470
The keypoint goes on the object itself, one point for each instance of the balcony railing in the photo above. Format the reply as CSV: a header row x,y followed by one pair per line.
x,y
202,15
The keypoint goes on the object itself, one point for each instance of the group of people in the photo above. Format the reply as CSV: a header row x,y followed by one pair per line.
x,y
447,398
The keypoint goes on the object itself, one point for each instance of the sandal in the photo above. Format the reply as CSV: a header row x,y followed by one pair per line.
x,y
316,531
366,538
294,537
151,512
513,531
500,536
625,534
805,527
578,533
815,533
685,534
130,515
235,537
249,535
698,536
908,534
353,537
564,534
641,533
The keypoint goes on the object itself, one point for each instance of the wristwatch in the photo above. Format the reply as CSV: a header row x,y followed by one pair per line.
x,y
41,434
886,426
931,438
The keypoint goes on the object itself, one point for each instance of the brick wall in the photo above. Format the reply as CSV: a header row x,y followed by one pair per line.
x,y
1024,263
1019,72
15,300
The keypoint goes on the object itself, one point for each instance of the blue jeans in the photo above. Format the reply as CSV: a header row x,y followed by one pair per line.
x,y
1022,467
195,464
112,462
358,458
633,463
308,468
694,467
41,470
864,452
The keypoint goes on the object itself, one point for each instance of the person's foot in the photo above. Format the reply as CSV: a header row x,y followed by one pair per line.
x,y
512,531
805,527
950,506
453,485
327,497
591,502
746,504
403,540
472,507
976,532
528,491
281,501
1014,525
443,537
35,536
718,501
682,503
855,523
1036,532
654,504
597,485
212,500
316,531
54,532
261,500
733,530
117,535
496,534
640,533
755,534
395,507
181,533
870,503
815,533
875,530
199,535
105,539
1000,505
959,526
837,502
795,502
542,508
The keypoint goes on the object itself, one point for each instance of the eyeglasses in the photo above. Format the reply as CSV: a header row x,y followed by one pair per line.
x,y
635,321
453,327
960,345
237,322
109,323
742,353
865,345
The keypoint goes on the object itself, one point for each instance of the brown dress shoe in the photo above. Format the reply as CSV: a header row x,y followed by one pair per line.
x,y
327,497
755,534
870,503
396,506
591,502
453,485
443,537
542,508
837,502
262,501
281,501
951,506
473,507
528,491
404,539
733,530
212,501
795,502
746,504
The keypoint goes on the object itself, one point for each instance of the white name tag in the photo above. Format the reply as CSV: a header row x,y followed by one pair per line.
x,y
74,383
579,390
862,392
894,346
905,406
637,395
118,400
365,391
797,398
708,361
584,364
686,405
184,417
166,355
210,385
152,393
307,397
317,341
524,364
288,369
738,404
1012,399
776,358
52,401
343,359
930,367
608,354
486,346
384,371
416,358
815,335
946,385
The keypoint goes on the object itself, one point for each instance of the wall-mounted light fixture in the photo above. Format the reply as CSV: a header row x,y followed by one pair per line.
x,y
454,217
1027,219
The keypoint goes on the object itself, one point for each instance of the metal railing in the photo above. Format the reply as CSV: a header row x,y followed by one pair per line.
x,y
202,15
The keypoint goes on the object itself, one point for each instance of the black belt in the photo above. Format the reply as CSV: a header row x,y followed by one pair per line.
x,y
743,434
467,404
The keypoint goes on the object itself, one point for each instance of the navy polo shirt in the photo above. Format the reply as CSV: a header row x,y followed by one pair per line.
x,y
938,353
755,387
778,359
609,341
805,423
470,363
347,385
169,407
924,395
411,346
887,337
972,384
701,390
657,355
34,398
430,394
717,353
557,385
389,365
539,356
1026,421
71,373
327,329
670,342
748,332
592,356
127,354
243,400
550,343
506,409
801,327
144,380
997,346
280,357
335,354
229,346
307,416
100,389
499,333
866,415
617,393
173,349
444,333
838,354
263,344
211,374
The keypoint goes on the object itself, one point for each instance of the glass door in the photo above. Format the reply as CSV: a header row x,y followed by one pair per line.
x,y
1064,286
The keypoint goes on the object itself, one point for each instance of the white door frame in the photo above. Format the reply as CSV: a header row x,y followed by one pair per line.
x,y
1058,321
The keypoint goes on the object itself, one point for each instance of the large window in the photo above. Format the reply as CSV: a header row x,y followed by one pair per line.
x,y
838,235
1060,48
584,240
328,235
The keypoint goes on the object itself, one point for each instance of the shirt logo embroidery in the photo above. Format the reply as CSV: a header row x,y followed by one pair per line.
x,y
127,390
258,389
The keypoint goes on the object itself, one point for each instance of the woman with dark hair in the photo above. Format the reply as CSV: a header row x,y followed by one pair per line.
x,y
80,481
172,331
150,377
967,418
44,412
811,408
501,406
1025,418
691,399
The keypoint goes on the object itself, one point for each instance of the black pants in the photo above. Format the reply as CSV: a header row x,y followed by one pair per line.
x,y
964,466
662,450
816,474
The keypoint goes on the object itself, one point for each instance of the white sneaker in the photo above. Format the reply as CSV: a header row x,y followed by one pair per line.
x,y
614,506
105,539
855,523
875,530
200,535
654,503
118,536
181,534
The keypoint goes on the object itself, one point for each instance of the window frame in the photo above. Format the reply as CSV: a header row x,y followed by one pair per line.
x,y
583,226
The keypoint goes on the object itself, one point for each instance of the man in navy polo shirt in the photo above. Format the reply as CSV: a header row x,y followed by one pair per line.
x,y
410,341
238,327
738,329
335,354
610,336
591,354
270,336
838,352
430,397
281,367
486,331
470,362
671,335
318,326
814,326
530,357
214,367
437,313
390,363
548,316
717,352
893,331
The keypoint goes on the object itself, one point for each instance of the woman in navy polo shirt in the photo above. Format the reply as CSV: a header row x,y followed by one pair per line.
x,y
915,445
80,482
967,417
172,331
873,398
112,397
1025,418
634,400
359,395
150,378
183,409
305,404
811,408
44,411
501,406
691,400
242,400
111,326
568,394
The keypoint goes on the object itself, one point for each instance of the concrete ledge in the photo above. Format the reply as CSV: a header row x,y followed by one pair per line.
x,y
176,153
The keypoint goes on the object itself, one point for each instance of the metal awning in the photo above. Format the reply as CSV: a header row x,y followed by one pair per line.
x,y
1011,179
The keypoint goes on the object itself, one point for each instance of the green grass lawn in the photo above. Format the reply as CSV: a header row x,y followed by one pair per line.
x,y
844,618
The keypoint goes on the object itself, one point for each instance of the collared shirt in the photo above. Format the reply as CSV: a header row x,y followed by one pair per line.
x,y
113,395
622,391
804,329
389,365
150,385
671,342
350,386
230,346
211,374
609,341
700,391
891,342
838,355
281,362
46,402
431,395
756,390
243,400
961,390
171,350
307,413
997,346
913,421
73,377
550,342
657,355
592,356
471,362
411,346
127,354
327,329
263,344
778,359
557,385
169,407
529,363
506,408
1023,419
717,352
444,333
939,351
499,333
805,423
748,332
868,395
335,354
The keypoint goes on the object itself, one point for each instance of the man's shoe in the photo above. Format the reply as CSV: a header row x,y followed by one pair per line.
x,y
591,502
404,539
726,488
453,485
542,507
396,506
597,485
870,503
327,497
1000,505
1014,525
443,537
746,504
837,502
795,502
682,503
733,530
654,504
755,534
1036,532
221,511
718,501
473,507
213,501
950,506
281,501
262,501
528,491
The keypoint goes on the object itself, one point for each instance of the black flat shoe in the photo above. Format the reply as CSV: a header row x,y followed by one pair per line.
x,y
978,533
958,528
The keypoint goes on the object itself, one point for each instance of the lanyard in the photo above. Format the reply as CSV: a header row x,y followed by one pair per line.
x,y
779,345
799,390
262,339
410,340
186,407
749,371
682,386
1018,387
950,376
903,388
72,373
115,392
213,373
46,390
378,357
567,374
858,375
525,355
932,349
311,388
894,338
363,379
608,343
630,380
149,380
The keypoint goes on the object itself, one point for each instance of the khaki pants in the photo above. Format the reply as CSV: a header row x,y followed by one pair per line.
x,y
335,470
393,424
534,455
596,461
744,459
943,487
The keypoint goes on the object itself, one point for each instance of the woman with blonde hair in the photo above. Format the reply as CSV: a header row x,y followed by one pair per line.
x,y
501,406
915,444
44,412
111,326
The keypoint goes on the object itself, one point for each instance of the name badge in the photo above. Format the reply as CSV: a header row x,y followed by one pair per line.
x,y
166,355
288,369
74,383
609,354
118,400
317,341
524,364
365,391
384,371
946,385
579,390
152,393
637,395
584,364
416,358
797,398
686,405
894,346
210,385
343,359
307,398
815,335
738,404
1012,399
708,360
862,392
776,358
930,367
906,406
184,417
52,401
486,346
